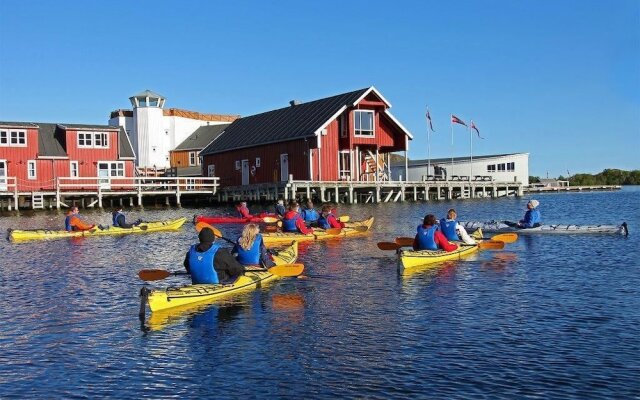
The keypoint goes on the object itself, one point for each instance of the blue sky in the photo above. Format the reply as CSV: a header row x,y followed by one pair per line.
x,y
557,79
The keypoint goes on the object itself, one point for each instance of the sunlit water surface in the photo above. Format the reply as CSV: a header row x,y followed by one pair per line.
x,y
548,317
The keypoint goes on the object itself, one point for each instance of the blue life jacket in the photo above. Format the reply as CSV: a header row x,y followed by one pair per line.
x,y
280,210
426,238
531,218
323,221
251,256
67,223
115,218
289,225
201,265
310,215
448,229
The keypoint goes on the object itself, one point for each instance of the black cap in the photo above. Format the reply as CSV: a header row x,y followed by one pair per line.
x,y
206,236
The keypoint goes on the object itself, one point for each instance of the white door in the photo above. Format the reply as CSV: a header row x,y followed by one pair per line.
x,y
103,174
284,167
3,175
245,172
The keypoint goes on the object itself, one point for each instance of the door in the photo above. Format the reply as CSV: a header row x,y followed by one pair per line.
x,y
103,175
245,172
3,175
344,165
284,167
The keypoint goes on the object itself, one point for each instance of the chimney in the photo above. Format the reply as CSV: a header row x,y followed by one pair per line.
x,y
294,103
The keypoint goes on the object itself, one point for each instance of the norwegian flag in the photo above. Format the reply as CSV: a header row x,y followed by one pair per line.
x,y
456,120
429,119
475,128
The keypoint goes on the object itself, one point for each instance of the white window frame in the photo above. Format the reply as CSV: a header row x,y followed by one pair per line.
x,y
355,123
113,169
511,166
7,137
257,162
31,169
211,170
491,168
190,184
196,159
238,165
91,140
502,167
74,169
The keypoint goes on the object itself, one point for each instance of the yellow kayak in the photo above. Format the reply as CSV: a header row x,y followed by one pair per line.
x,y
145,227
410,259
352,228
171,297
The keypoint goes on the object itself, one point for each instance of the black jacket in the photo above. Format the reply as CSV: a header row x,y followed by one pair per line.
x,y
226,266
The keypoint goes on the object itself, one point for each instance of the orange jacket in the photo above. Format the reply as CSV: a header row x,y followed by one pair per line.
x,y
78,225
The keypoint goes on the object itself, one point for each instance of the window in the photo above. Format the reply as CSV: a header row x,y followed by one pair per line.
x,y
31,169
501,167
257,162
211,170
111,169
190,184
491,168
73,169
13,138
93,139
117,169
238,165
193,158
101,140
342,125
363,121
511,166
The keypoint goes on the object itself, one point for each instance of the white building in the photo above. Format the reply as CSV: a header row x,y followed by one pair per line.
x,y
154,130
497,168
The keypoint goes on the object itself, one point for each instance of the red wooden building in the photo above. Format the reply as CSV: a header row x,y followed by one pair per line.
x,y
340,138
34,155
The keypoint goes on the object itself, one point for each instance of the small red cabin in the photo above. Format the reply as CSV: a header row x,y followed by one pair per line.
x,y
348,137
34,155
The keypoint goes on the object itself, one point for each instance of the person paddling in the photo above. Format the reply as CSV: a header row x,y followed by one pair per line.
x,y
243,210
73,222
280,209
250,248
429,237
310,215
206,262
293,222
532,217
452,230
119,219
328,219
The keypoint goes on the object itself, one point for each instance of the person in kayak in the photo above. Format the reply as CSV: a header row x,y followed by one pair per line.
x,y
328,219
532,217
429,237
206,262
250,248
310,215
280,210
293,222
72,222
452,230
243,210
119,219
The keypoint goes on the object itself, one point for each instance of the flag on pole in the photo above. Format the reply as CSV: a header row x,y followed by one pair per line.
x,y
457,120
429,119
473,126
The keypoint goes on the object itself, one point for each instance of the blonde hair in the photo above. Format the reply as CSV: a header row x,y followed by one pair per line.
x,y
249,234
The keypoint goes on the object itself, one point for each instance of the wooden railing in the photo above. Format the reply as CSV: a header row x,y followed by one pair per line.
x,y
138,184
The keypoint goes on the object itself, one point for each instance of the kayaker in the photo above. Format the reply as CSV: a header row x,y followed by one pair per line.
x,y
73,222
328,219
119,219
250,248
532,217
293,222
206,262
429,237
280,210
310,215
243,210
452,230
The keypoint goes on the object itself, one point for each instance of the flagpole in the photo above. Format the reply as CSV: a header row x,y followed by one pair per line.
x,y
428,147
451,172
471,152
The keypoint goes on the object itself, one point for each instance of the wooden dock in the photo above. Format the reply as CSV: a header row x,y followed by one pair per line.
x,y
564,189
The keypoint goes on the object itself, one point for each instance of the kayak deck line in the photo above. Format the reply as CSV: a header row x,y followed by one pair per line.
x,y
506,226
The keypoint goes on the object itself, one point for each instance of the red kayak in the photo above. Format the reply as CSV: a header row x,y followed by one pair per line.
x,y
228,219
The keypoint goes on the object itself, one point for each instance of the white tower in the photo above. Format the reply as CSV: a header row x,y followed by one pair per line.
x,y
148,136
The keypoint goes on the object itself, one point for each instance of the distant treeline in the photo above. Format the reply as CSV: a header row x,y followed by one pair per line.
x,y
606,177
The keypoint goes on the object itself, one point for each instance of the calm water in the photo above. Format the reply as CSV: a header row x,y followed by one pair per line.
x,y
548,317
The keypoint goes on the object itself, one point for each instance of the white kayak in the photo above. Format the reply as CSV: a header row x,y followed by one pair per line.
x,y
501,226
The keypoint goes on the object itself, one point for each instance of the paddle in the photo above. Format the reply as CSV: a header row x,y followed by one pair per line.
x,y
344,218
284,270
485,245
270,220
201,225
502,237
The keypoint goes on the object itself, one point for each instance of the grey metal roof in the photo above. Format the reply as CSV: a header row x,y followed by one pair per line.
x,y
201,137
124,145
289,123
89,127
416,163
51,141
147,93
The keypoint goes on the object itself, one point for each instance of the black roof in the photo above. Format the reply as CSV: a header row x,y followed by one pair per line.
x,y
51,141
201,137
289,123
125,150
